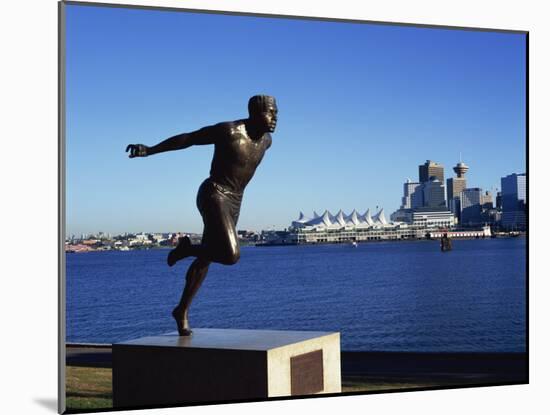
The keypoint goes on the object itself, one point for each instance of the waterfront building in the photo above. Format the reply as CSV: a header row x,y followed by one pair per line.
x,y
425,217
401,215
514,201
356,227
432,217
471,206
430,169
484,232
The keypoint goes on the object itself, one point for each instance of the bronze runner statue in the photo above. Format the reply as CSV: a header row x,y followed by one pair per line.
x,y
239,147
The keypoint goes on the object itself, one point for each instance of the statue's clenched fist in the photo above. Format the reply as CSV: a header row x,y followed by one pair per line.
x,y
137,150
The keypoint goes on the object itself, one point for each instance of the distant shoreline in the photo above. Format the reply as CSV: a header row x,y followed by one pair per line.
x,y
263,245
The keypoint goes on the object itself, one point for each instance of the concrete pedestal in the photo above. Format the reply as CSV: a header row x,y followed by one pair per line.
x,y
224,365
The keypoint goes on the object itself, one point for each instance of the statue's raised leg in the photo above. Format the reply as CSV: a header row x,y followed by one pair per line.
x,y
182,250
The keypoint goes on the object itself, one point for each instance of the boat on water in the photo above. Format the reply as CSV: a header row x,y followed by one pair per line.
x,y
354,244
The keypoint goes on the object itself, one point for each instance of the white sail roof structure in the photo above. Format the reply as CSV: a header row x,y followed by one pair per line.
x,y
367,218
352,219
327,218
301,220
341,220
380,217
318,220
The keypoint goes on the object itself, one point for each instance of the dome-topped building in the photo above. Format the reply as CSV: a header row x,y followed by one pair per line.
x,y
460,169
455,185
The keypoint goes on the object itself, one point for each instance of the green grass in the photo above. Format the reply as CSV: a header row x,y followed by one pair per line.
x,y
89,388
365,384
370,385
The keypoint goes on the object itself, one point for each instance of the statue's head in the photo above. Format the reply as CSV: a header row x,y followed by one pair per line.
x,y
262,109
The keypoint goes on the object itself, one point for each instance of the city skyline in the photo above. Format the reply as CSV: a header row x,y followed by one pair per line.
x,y
361,106
379,211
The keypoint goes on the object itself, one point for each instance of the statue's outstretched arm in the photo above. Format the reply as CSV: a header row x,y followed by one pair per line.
x,y
206,135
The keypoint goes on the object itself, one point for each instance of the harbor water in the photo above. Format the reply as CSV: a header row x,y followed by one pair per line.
x,y
381,296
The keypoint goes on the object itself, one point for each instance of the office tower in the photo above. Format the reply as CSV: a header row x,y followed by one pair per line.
x,y
486,200
470,206
430,169
514,201
498,201
434,193
412,195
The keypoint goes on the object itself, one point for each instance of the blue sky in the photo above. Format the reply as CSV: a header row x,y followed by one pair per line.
x,y
360,107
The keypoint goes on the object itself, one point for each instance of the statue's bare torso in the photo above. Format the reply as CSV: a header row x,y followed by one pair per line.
x,y
236,155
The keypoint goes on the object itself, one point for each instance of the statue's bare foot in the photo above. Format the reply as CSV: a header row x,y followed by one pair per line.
x,y
180,251
182,323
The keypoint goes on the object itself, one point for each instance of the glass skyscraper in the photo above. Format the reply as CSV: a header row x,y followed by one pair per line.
x,y
470,206
514,201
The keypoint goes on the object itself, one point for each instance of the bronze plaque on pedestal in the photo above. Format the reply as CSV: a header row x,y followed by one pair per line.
x,y
306,373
